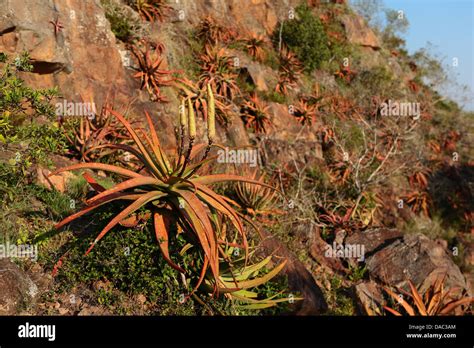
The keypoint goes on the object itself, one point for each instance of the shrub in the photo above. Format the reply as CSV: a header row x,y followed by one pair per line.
x,y
305,36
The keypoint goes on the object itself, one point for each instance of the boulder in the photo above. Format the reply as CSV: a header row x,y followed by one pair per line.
x,y
301,153
359,33
59,181
16,288
261,76
417,258
374,239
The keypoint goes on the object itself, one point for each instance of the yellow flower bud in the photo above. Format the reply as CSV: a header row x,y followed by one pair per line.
x,y
182,113
192,120
211,114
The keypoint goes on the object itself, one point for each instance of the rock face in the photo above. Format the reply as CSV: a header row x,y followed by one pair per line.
x,y
81,57
358,33
16,288
260,15
255,73
375,239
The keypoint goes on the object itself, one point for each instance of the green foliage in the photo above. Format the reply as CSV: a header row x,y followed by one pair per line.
x,y
124,26
357,272
305,35
131,261
339,298
378,81
274,96
396,23
18,101
57,204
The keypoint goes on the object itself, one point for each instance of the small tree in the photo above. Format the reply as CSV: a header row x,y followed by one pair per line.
x,y
305,36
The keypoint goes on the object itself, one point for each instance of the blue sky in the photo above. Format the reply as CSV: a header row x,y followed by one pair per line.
x,y
449,26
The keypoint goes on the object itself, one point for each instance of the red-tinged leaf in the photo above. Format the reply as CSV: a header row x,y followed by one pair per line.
x,y
98,166
452,305
130,221
149,161
218,178
394,312
417,299
218,203
91,181
401,301
140,202
159,154
203,227
84,211
195,166
128,184
161,231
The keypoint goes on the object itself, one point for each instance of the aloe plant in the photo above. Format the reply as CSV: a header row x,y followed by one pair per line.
x,y
256,199
172,190
255,114
151,71
150,10
435,301
217,69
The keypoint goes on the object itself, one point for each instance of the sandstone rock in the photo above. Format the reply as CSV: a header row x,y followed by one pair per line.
x,y
285,126
254,72
374,240
255,14
59,181
415,258
16,288
359,33
82,59
317,250
469,255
